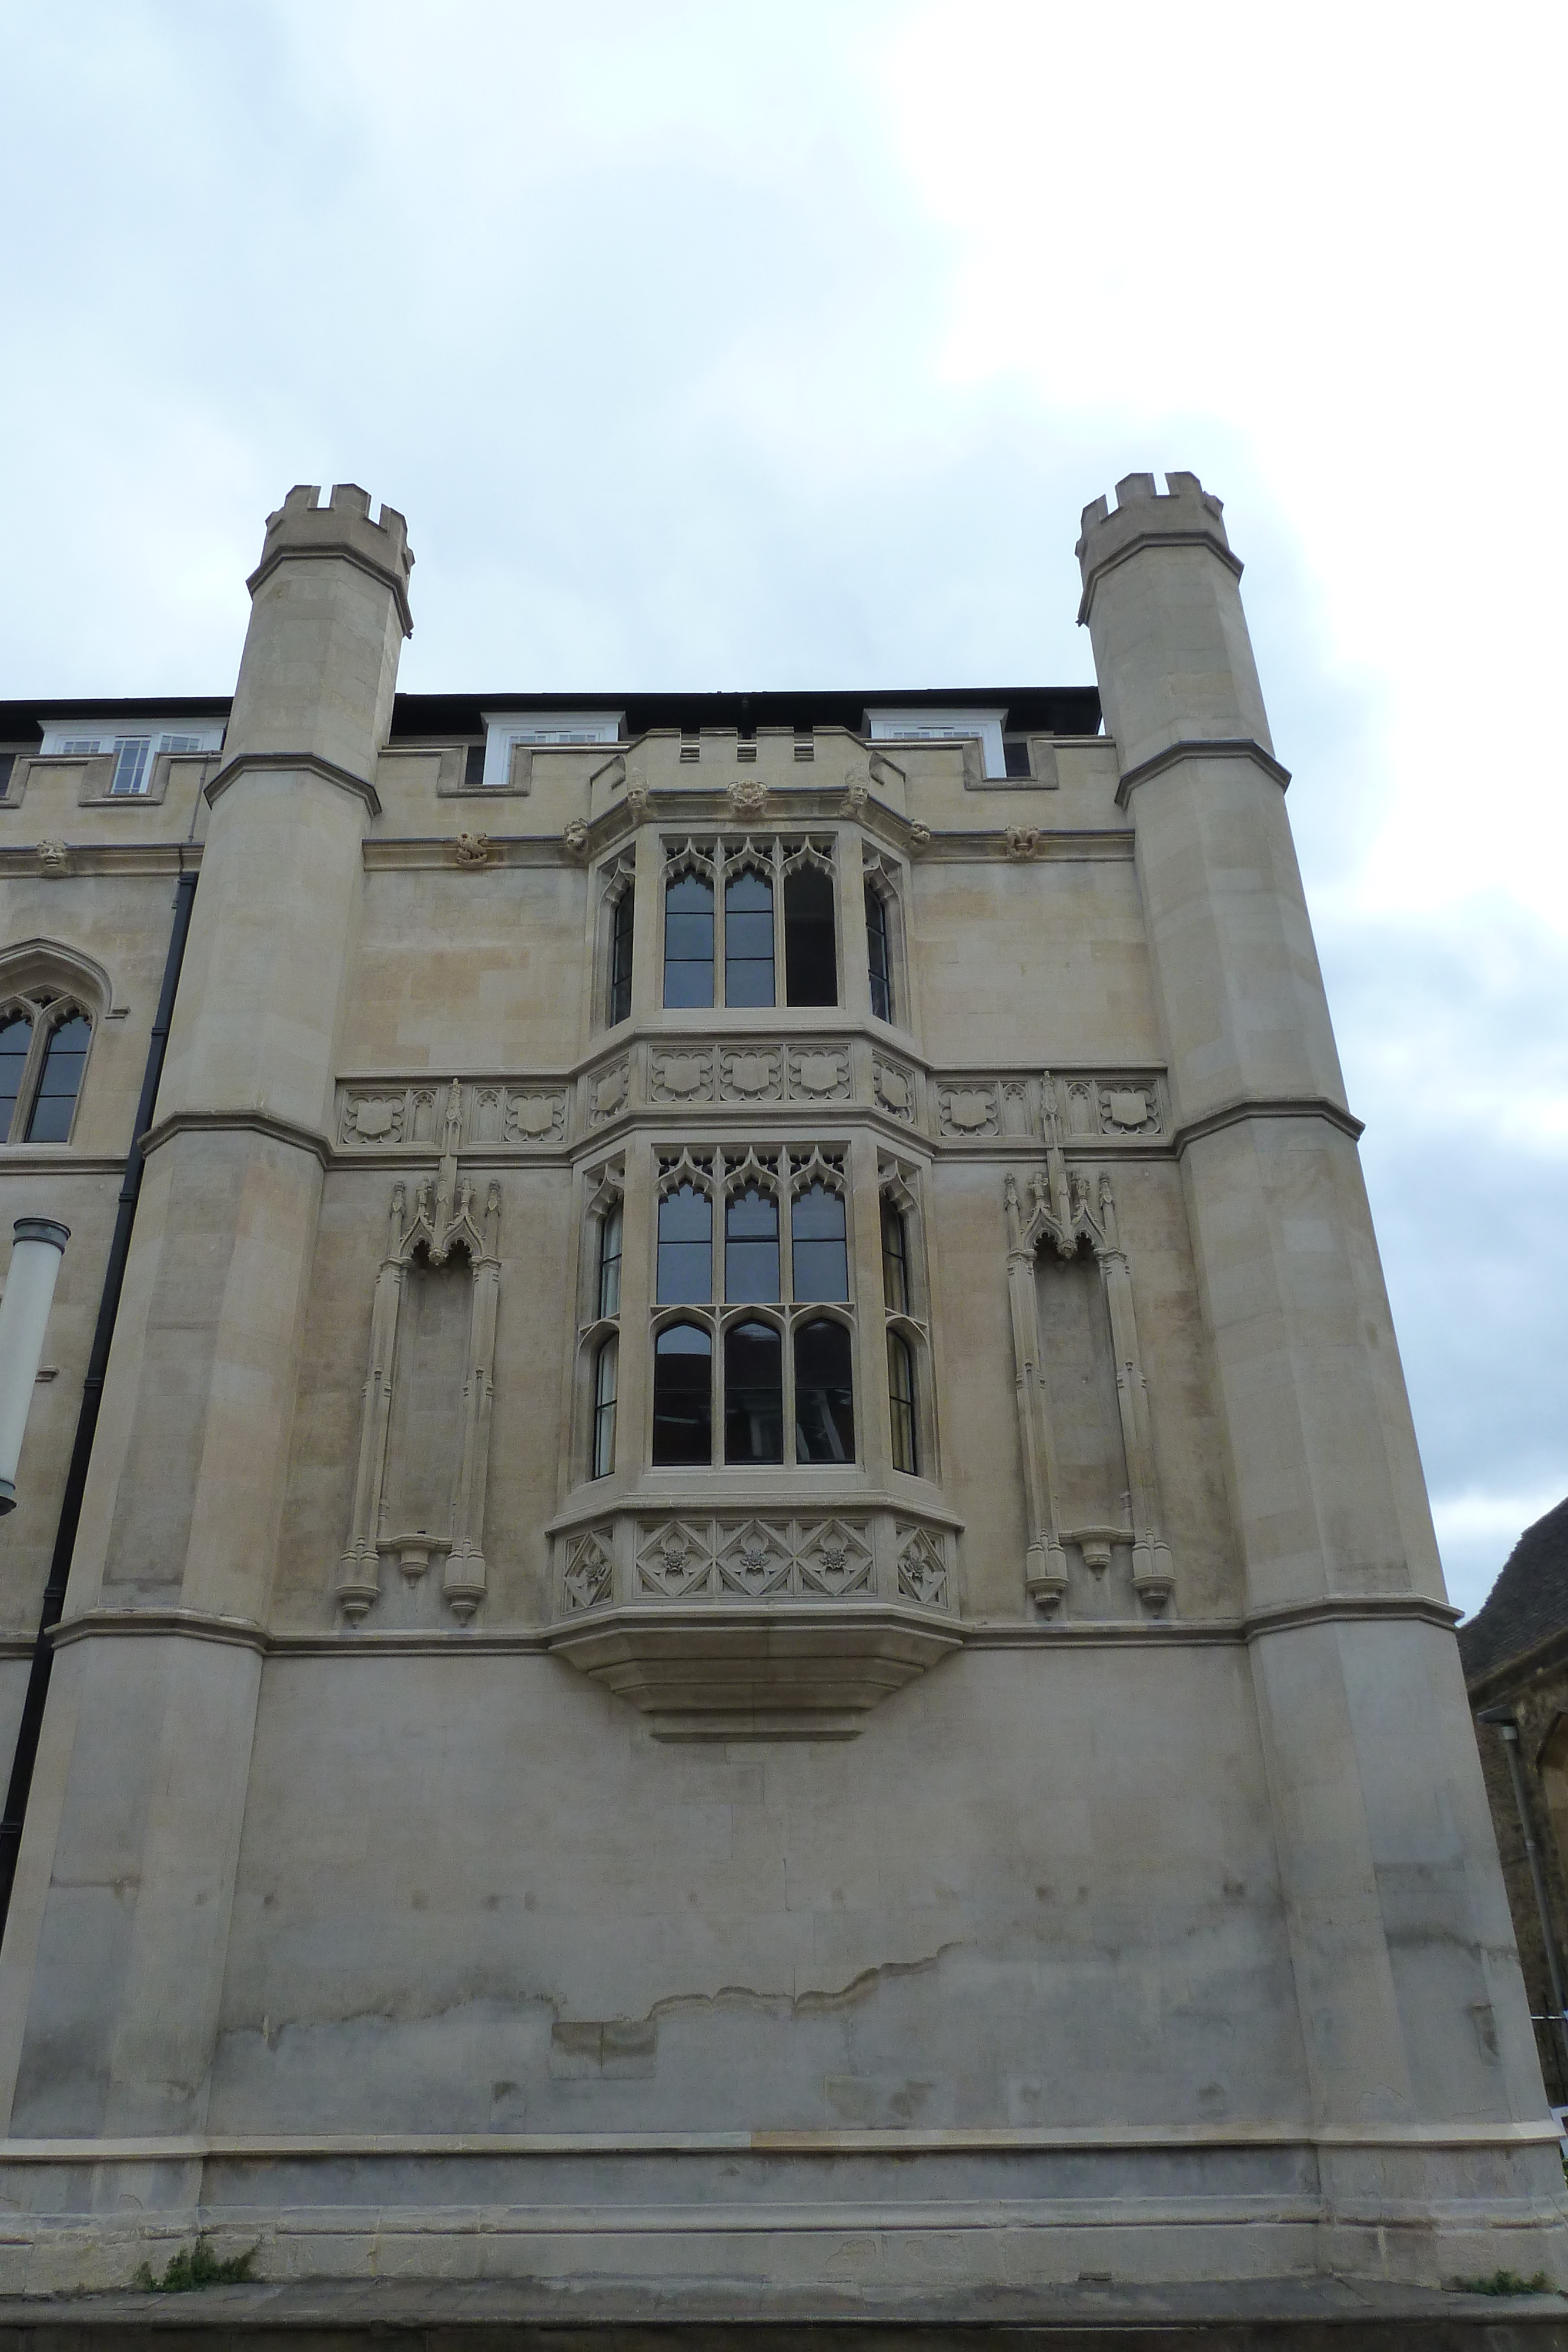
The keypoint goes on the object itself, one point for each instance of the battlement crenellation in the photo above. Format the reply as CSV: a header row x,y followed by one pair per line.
x,y
341,525
1185,514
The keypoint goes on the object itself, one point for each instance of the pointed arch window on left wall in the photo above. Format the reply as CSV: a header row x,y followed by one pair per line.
x,y
43,1044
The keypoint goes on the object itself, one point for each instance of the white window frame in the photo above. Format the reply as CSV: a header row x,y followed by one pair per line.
x,y
888,726
90,738
505,729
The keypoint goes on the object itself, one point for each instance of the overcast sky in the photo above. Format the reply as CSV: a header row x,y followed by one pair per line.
x,y
763,345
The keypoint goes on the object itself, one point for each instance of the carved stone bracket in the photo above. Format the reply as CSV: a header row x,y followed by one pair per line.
x,y
445,1222
765,1624
1055,1209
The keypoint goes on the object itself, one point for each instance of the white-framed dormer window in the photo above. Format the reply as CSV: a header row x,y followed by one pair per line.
x,y
505,729
887,726
134,748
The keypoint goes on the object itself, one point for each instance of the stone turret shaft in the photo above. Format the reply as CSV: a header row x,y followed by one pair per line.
x,y
131,1847
1325,1481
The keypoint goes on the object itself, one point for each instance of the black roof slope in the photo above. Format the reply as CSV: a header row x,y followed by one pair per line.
x,y
1031,710
1528,1603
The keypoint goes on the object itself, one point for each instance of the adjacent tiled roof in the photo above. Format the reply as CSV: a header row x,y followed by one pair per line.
x,y
1528,1603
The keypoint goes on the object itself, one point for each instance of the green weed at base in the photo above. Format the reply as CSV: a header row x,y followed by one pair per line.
x,y
197,2267
1505,2282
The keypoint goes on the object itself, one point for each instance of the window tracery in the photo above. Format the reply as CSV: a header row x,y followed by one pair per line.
x,y
45,1040
737,913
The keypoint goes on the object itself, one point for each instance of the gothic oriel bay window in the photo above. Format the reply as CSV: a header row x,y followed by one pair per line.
x,y
763,1375
737,913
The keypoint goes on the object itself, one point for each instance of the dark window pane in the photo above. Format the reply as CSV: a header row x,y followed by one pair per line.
x,y
895,1260
605,1385
1015,755
824,1394
56,1096
473,767
751,1248
16,1038
753,1394
683,1395
609,1262
881,965
748,941
811,963
819,1253
901,1396
688,941
621,956
685,1248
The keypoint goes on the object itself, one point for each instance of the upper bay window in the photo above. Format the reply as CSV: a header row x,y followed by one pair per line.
x,y
738,915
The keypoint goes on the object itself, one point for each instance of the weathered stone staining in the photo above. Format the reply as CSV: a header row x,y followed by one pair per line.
x,y
755,1614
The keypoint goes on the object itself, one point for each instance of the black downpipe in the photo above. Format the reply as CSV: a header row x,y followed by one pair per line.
x,y
32,1722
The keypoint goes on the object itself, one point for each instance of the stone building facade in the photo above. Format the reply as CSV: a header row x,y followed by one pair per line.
x,y
1514,1653
752,1606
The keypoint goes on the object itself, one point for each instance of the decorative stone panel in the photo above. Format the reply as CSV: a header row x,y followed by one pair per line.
x,y
734,1624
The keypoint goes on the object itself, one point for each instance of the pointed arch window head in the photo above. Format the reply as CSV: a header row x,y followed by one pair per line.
x,y
751,1247
902,1403
879,952
753,1393
621,928
16,1045
688,941
749,939
685,1248
824,1394
819,1243
683,1395
606,1372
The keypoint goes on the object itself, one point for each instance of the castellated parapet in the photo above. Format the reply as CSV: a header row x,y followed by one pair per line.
x,y
754,1628
301,526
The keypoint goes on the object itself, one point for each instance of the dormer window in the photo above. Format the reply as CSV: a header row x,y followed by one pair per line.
x,y
134,749
506,729
948,726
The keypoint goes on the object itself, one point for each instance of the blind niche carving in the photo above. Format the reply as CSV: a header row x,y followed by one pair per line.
x,y
1084,1407
425,1431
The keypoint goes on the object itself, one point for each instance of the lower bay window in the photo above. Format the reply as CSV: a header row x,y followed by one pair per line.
x,y
762,1375
753,1356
